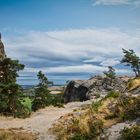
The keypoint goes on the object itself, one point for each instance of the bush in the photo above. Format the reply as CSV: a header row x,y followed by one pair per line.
x,y
95,106
27,103
112,94
56,100
97,95
131,108
79,137
132,133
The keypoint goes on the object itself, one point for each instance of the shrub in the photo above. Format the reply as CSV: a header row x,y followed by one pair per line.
x,y
132,133
97,95
112,94
131,109
56,100
95,106
27,103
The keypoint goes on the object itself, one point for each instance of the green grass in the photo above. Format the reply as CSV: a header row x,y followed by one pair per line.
x,y
112,94
95,106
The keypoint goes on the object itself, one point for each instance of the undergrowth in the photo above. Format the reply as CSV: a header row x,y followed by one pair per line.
x,y
97,117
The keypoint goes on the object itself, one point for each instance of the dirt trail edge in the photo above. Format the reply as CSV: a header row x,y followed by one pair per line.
x,y
42,120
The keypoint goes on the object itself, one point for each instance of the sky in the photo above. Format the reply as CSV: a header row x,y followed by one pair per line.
x,y
69,39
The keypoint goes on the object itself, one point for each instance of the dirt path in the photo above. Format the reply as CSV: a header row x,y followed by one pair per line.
x,y
42,120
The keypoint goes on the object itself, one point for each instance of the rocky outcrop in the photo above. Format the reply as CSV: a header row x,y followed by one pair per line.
x,y
2,51
81,90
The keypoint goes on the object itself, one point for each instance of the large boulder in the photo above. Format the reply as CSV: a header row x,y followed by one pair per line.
x,y
81,90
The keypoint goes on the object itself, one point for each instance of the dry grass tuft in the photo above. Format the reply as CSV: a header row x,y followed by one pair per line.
x,y
16,134
133,84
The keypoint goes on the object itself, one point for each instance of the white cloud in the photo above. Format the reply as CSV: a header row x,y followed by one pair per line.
x,y
110,62
75,47
85,68
96,59
117,2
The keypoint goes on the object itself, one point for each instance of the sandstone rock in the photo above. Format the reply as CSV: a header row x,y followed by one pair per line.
x,y
81,90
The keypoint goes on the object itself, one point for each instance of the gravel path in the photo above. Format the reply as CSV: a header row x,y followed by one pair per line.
x,y
42,120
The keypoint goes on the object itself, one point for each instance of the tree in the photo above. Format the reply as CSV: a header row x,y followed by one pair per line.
x,y
132,60
8,70
42,95
110,74
10,91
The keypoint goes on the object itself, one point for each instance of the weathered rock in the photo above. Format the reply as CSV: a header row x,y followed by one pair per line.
x,y
81,90
2,51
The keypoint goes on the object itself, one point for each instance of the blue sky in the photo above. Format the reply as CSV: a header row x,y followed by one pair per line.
x,y
69,39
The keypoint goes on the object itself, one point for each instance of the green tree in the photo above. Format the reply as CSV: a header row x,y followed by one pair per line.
x,y
132,60
42,95
110,74
10,92
8,70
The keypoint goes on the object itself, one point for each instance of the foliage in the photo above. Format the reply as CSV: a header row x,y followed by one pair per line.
x,y
10,92
27,103
132,60
95,106
132,133
57,100
110,74
42,95
112,94
97,95
8,70
131,107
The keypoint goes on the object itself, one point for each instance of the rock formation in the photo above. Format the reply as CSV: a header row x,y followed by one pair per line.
x,y
81,90
2,51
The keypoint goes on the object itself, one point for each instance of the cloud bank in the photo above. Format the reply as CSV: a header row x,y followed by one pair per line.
x,y
87,51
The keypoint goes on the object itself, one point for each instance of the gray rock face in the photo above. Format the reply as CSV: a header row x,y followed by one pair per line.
x,y
81,90
2,51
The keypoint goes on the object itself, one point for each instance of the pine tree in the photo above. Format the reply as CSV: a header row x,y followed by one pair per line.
x,y
10,92
132,60
42,95
110,74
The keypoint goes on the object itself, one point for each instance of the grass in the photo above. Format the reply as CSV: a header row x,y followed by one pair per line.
x,y
96,105
112,94
133,84
16,134
132,133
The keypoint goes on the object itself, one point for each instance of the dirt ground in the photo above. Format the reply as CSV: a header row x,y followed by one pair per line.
x,y
41,121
